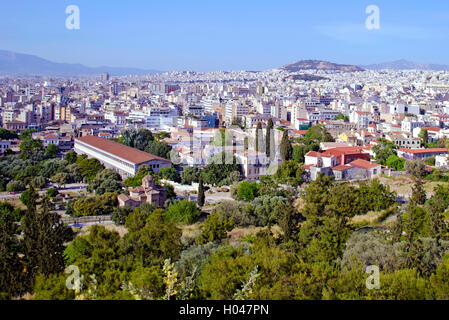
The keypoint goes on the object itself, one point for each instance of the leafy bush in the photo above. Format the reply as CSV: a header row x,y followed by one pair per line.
x,y
240,212
15,186
182,211
214,229
96,205
189,175
247,190
52,192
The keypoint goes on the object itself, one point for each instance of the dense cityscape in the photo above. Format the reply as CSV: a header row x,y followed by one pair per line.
x,y
307,180
187,172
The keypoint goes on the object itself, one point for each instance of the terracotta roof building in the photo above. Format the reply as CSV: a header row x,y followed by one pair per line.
x,y
414,154
148,192
113,155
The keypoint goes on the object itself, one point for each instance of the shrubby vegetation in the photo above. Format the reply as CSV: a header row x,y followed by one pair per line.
x,y
94,205
145,141
306,246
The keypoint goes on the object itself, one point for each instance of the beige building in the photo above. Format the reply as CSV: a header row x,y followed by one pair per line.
x,y
116,156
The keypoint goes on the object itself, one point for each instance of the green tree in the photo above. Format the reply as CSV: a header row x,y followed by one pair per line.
x,y
15,186
299,151
214,229
439,279
11,275
25,196
201,195
291,173
395,163
26,134
89,168
7,135
71,157
120,214
403,284
155,242
424,136
106,180
286,150
182,211
247,190
52,192
38,182
95,206
31,149
44,238
60,179
341,116
268,139
189,175
258,137
169,174
417,170
52,287
51,151
318,134
384,149
219,167
142,172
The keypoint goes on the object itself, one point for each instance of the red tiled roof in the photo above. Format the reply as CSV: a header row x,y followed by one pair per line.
x,y
318,154
359,163
344,150
51,136
130,154
431,129
419,151
341,168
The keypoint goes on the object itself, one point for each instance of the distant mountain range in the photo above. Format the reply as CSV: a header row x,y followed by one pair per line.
x,y
406,65
18,64
319,65
12,63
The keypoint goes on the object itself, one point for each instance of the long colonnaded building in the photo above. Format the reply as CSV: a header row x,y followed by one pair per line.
x,y
113,155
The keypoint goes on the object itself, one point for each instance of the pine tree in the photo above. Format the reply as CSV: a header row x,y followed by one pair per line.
x,y
201,196
418,194
286,147
11,279
44,237
268,138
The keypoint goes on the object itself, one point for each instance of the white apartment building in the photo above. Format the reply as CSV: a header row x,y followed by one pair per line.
x,y
360,118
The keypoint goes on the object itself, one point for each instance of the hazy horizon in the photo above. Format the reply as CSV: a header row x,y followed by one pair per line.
x,y
207,36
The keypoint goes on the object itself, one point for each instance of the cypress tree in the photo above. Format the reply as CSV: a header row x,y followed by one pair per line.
x,y
258,134
268,138
201,196
286,147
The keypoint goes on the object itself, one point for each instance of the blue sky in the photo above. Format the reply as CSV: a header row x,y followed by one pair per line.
x,y
223,35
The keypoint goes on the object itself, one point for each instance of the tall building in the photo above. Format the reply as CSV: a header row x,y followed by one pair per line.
x,y
105,76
